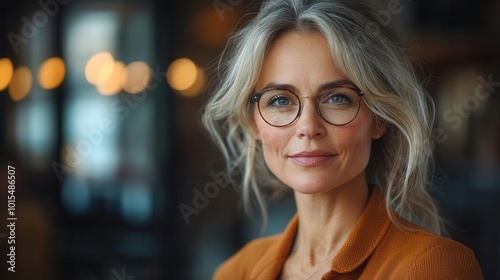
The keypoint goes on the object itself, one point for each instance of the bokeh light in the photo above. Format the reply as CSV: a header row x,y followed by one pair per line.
x,y
186,78
113,84
137,77
20,85
51,73
6,72
99,68
197,87
182,74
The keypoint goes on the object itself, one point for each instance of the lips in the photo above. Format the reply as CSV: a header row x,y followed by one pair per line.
x,y
311,158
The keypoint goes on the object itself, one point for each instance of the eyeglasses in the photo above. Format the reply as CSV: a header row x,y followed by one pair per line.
x,y
281,107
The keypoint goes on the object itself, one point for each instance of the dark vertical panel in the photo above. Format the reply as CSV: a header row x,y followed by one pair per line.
x,y
167,15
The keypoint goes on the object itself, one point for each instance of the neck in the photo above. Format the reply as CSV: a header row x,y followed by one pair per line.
x,y
326,219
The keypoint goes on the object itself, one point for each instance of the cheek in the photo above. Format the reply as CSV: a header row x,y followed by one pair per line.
x,y
272,139
356,141
266,133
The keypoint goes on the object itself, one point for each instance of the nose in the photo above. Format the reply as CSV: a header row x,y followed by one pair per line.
x,y
310,124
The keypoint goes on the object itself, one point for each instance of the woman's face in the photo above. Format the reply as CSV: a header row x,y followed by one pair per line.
x,y
310,155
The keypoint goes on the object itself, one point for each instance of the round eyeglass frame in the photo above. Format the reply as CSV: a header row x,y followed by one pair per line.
x,y
255,97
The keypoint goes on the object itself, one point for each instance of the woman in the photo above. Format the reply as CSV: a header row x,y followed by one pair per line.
x,y
319,95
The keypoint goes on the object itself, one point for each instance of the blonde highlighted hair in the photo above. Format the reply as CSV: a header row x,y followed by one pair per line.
x,y
369,55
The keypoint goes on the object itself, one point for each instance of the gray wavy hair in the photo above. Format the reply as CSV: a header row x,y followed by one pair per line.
x,y
370,56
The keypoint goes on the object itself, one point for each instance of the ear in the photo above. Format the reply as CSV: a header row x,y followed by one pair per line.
x,y
379,128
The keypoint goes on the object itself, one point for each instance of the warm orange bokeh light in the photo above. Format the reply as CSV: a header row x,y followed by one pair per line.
x,y
21,83
137,77
99,68
197,87
182,74
6,72
51,73
114,83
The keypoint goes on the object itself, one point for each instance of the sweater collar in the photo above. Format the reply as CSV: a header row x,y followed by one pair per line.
x,y
360,244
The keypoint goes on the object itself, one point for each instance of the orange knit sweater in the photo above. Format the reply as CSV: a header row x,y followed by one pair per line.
x,y
375,249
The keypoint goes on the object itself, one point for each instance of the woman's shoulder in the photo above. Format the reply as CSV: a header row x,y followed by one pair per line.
x,y
260,258
421,254
415,239
247,257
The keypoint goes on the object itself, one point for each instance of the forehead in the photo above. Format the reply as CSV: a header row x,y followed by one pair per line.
x,y
300,59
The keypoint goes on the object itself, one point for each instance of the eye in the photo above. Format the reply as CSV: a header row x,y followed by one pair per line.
x,y
279,100
339,98
336,99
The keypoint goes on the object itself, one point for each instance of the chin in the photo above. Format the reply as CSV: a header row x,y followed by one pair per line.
x,y
308,188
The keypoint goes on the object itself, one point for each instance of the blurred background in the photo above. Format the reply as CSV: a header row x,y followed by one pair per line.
x,y
100,107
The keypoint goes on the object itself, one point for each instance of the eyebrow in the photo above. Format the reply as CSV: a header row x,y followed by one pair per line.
x,y
322,88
